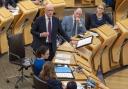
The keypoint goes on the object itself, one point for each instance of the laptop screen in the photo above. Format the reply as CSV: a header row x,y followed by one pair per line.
x,y
85,41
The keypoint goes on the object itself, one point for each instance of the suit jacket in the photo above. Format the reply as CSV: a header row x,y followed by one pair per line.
x,y
94,22
67,25
39,26
11,2
56,84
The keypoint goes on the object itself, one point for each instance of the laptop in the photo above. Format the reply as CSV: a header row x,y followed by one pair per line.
x,y
84,41
64,72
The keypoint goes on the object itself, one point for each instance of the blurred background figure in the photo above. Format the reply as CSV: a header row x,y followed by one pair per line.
x,y
74,24
48,74
71,85
100,17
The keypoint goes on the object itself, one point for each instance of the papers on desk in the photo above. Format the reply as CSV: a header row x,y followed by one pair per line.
x,y
93,33
65,75
85,41
63,58
15,11
62,61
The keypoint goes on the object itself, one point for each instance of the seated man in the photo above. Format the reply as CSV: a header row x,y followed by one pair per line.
x,y
74,24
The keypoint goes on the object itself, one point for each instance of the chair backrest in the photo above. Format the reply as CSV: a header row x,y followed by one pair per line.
x,y
16,47
40,84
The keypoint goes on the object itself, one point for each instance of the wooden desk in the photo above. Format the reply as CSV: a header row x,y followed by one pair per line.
x,y
59,6
121,10
107,37
66,47
63,57
6,19
122,42
28,12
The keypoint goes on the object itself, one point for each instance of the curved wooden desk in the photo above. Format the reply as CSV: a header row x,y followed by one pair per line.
x,y
59,6
107,37
117,46
121,10
124,41
28,12
6,19
80,60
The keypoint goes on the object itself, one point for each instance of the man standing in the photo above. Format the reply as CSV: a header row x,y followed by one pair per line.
x,y
45,30
74,24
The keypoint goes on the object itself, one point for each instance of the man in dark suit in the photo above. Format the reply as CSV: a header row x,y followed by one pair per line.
x,y
45,30
11,2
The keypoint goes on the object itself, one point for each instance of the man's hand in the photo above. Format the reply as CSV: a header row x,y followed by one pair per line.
x,y
44,34
77,19
73,42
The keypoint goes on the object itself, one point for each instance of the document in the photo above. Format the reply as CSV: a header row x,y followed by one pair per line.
x,y
62,61
84,42
64,75
63,55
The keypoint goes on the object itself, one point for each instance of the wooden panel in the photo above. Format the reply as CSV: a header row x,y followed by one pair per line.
x,y
70,3
124,54
6,19
122,10
117,46
102,57
87,1
97,2
23,25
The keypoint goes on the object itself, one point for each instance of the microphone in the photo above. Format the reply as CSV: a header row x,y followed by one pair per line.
x,y
90,83
63,39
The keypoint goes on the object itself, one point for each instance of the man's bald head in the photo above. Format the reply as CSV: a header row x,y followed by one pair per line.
x,y
49,10
78,12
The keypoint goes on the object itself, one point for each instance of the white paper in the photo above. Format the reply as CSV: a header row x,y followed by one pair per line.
x,y
64,75
62,61
63,55
85,41
94,33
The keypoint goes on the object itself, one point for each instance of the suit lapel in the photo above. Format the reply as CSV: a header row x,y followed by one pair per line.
x,y
44,27
53,22
71,19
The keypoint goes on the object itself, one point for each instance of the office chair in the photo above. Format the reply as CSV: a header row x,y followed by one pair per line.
x,y
40,84
17,56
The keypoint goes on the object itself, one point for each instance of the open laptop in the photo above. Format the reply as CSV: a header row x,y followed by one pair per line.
x,y
84,41
64,72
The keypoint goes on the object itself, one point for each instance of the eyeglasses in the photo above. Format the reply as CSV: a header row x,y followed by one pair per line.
x,y
100,8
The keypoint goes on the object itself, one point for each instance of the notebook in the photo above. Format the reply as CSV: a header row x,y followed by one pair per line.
x,y
85,41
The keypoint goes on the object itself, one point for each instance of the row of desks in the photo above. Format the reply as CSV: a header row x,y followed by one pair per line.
x,y
108,50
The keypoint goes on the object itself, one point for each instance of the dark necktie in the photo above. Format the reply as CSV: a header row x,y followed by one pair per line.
x,y
74,28
49,30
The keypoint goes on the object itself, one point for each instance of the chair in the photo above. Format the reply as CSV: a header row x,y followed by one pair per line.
x,y
17,56
40,84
